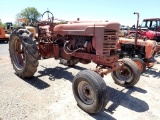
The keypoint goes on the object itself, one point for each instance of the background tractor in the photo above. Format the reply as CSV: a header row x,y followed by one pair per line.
x,y
3,36
5,31
149,29
83,42
124,31
138,48
8,27
25,23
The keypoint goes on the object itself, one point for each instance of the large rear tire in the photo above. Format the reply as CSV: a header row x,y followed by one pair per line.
x,y
127,76
23,52
90,91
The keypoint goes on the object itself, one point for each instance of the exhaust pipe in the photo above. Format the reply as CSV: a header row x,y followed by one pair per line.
x,y
136,28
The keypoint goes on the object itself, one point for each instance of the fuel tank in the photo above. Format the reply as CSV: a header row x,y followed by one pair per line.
x,y
150,34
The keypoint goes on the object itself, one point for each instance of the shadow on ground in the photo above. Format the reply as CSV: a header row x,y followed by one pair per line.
x,y
118,98
153,72
103,116
59,73
53,74
3,42
36,82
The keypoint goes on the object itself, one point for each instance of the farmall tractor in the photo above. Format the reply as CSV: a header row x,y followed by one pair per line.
x,y
76,42
149,29
140,49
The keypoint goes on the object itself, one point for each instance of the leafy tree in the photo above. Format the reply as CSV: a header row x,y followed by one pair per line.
x,y
15,25
2,25
30,13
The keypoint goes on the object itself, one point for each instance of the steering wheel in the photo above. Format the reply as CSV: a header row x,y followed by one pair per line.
x,y
50,19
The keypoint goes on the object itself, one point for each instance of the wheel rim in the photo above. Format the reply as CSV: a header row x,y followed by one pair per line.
x,y
124,74
140,66
19,57
86,92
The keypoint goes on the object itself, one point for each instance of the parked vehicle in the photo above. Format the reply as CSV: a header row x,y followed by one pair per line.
x,y
3,36
124,31
138,48
76,42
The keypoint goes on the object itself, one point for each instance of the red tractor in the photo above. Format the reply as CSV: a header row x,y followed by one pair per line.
x,y
5,32
139,47
76,42
3,35
150,28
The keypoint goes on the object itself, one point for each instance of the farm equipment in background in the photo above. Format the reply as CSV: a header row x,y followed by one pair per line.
x,y
5,32
25,23
149,29
8,27
138,48
76,42
124,31
3,35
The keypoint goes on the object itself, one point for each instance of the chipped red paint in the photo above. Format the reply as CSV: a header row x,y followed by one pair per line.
x,y
101,47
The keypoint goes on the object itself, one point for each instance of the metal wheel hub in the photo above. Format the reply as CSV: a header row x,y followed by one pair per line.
x,y
86,92
19,57
124,74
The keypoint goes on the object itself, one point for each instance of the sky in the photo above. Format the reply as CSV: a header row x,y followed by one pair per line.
x,y
111,10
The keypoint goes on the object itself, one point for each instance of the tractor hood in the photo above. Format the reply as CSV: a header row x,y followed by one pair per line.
x,y
150,45
139,42
84,28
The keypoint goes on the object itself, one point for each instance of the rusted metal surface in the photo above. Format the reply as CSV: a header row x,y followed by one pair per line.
x,y
150,45
105,34
46,49
97,59
81,41
102,70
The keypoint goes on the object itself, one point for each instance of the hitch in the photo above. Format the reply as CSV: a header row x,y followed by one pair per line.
x,y
102,70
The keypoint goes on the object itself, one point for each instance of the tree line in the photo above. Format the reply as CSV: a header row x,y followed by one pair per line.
x,y
30,13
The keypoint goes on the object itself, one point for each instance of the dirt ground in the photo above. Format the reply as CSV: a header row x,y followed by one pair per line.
x,y
48,95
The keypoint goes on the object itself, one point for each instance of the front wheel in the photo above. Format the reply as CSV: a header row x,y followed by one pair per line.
x,y
141,64
90,91
127,76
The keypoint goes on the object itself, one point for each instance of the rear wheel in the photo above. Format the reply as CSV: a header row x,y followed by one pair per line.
x,y
90,91
141,64
127,76
23,52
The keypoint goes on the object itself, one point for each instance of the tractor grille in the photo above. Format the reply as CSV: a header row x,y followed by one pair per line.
x,y
110,40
